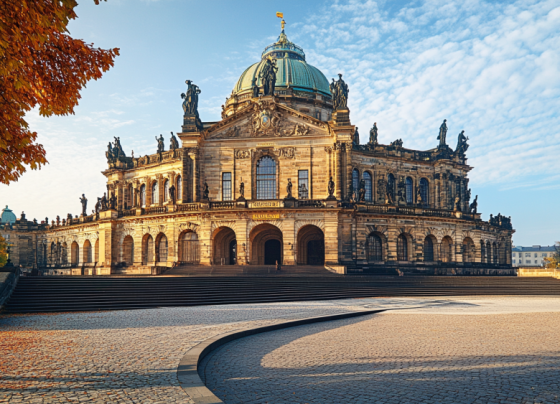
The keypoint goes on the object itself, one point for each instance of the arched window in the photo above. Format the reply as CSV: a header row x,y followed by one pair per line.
x,y
447,249
166,191
374,250
155,192
64,254
409,191
161,248
266,178
482,251
367,180
147,249
355,180
428,249
74,254
128,250
391,185
87,258
189,248
468,250
143,195
488,252
494,253
96,251
179,188
424,191
402,248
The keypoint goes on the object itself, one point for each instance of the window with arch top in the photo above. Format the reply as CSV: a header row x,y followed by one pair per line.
x,y
409,191
166,191
179,187
155,192
367,179
143,195
355,180
424,191
266,178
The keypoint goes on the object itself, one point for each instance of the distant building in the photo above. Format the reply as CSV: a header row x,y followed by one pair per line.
x,y
531,256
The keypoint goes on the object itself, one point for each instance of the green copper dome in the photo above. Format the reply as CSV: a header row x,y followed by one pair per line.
x,y
293,70
7,216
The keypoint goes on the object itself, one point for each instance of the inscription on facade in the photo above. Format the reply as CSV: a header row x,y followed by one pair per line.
x,y
266,216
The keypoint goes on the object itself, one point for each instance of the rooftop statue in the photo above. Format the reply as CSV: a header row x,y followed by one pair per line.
x,y
373,135
83,200
442,134
462,144
356,139
255,87
268,76
474,205
160,144
339,90
174,144
117,148
190,103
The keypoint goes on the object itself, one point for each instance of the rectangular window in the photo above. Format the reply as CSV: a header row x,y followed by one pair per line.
x,y
514,261
535,255
226,187
303,184
527,254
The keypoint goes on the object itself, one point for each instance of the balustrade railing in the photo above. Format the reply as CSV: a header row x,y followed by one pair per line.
x,y
222,205
310,203
155,210
187,207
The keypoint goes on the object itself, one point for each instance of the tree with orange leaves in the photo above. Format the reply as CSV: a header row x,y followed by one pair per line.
x,y
40,65
3,251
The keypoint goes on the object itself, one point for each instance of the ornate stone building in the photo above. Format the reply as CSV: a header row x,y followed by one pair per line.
x,y
282,177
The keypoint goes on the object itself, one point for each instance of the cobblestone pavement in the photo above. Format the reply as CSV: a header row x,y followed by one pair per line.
x,y
464,355
120,356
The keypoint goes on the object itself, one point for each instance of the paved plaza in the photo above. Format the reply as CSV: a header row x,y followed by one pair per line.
x,y
421,350
462,354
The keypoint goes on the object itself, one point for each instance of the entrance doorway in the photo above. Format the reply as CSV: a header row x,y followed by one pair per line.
x,y
225,246
272,251
266,244
310,246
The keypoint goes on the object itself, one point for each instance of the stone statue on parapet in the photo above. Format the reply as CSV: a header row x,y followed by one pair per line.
x,y
255,88
442,134
473,208
268,76
330,189
172,193
457,204
113,201
104,201
339,90
356,139
205,191
289,189
462,144
242,189
362,191
83,201
173,143
419,200
160,144
117,148
373,135
190,103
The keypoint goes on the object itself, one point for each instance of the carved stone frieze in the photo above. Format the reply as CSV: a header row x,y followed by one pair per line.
x,y
242,154
286,152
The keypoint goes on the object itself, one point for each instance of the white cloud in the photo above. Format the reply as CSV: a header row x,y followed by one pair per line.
x,y
490,69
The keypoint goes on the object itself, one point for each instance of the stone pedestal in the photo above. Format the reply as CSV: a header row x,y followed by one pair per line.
x,y
191,123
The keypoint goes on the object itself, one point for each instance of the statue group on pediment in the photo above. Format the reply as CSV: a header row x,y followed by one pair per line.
x,y
190,99
298,130
339,90
268,76
500,221
115,151
462,144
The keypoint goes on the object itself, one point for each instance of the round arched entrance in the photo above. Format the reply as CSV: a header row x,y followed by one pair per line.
x,y
310,246
225,246
266,244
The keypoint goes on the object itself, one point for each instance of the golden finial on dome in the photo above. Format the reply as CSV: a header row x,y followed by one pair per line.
x,y
281,15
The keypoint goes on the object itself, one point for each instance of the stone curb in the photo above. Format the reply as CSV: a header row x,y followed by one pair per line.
x,y
187,371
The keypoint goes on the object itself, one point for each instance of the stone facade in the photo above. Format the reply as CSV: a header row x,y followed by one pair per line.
x,y
392,208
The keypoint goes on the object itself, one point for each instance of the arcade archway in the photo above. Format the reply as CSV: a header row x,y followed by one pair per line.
x,y
266,244
310,246
225,246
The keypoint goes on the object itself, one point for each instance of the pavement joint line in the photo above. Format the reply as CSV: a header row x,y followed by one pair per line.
x,y
187,371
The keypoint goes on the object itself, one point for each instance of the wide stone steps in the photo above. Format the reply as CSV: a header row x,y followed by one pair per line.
x,y
57,293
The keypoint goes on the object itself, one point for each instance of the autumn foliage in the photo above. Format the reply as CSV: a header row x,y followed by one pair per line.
x,y
3,251
40,65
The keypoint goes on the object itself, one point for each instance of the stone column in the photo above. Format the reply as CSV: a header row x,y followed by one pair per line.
x,y
331,238
289,238
195,181
338,173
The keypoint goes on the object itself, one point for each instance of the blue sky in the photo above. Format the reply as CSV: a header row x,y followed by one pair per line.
x,y
490,68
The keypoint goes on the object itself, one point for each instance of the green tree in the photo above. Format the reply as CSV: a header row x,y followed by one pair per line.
x,y
40,66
